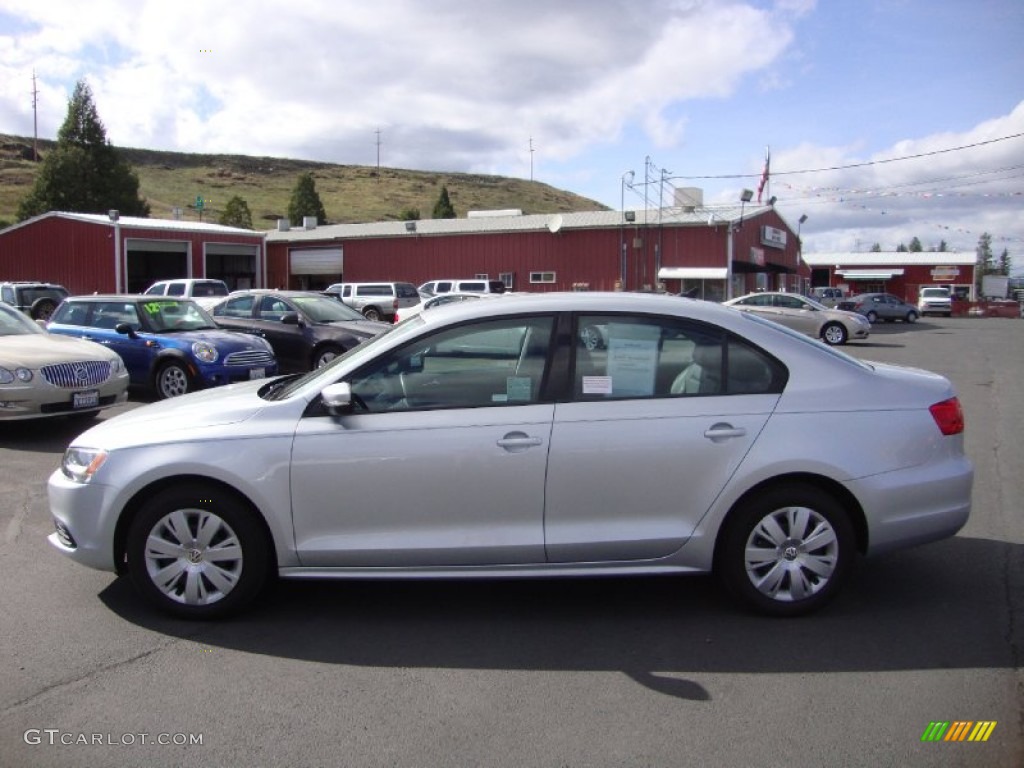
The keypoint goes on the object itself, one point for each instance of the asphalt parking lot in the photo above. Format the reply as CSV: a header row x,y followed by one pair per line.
x,y
631,672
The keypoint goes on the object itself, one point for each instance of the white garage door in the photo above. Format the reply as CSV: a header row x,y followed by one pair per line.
x,y
316,261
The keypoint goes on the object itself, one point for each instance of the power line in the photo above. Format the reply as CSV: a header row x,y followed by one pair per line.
x,y
859,165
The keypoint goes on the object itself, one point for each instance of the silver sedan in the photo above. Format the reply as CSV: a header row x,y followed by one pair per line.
x,y
484,439
833,326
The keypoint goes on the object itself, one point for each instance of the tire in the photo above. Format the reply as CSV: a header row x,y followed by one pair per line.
x,y
372,313
323,355
911,317
172,380
872,317
786,578
197,552
42,309
834,334
591,338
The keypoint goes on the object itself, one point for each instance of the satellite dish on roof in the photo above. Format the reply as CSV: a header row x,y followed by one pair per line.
x,y
555,223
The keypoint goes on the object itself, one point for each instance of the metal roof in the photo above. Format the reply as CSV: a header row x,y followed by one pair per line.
x,y
137,222
888,258
552,222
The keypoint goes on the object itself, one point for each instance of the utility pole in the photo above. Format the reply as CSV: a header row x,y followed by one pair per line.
x,y
378,154
35,120
531,158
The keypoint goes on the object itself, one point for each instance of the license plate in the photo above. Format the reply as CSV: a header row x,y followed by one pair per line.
x,y
85,399
258,373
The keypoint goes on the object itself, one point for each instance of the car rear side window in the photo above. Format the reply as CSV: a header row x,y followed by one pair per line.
x,y
643,357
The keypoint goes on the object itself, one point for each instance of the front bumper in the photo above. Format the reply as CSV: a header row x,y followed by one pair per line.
x,y
85,521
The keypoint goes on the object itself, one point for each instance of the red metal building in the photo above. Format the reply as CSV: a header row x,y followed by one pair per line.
x,y
89,253
901,273
679,249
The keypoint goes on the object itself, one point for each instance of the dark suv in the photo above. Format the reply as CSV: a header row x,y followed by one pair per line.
x,y
38,300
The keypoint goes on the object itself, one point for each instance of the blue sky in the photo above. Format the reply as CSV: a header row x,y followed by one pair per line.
x,y
688,91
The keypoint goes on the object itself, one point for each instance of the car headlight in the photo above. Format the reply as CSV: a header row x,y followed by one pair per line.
x,y
21,374
205,353
117,365
80,464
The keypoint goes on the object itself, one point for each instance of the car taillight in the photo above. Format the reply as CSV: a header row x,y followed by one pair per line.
x,y
949,416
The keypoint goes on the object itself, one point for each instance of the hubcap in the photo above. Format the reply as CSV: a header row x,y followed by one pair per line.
x,y
791,554
173,382
193,557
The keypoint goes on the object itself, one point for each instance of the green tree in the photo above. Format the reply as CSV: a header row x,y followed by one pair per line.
x,y
236,214
1005,262
901,248
409,214
876,248
306,202
985,261
915,246
443,208
83,173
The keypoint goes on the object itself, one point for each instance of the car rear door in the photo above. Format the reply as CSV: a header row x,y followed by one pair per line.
x,y
637,459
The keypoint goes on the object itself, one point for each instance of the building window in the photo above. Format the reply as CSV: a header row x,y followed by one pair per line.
x,y
507,278
481,276
542,277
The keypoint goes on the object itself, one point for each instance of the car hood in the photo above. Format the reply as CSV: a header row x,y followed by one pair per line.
x,y
194,415
33,351
838,314
219,338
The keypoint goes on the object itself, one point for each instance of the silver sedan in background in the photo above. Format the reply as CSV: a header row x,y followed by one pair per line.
x,y
805,315
485,439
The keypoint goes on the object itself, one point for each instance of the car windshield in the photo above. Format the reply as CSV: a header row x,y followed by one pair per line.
x,y
322,309
170,315
15,323
210,288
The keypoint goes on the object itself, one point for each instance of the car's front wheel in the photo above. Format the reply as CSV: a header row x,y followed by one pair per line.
x,y
324,355
911,317
172,380
786,551
834,333
197,552
371,313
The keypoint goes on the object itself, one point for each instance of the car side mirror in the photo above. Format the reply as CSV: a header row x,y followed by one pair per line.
x,y
291,318
337,398
126,329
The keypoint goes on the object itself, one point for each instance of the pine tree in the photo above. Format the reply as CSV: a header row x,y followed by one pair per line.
x,y
236,214
83,173
306,202
443,208
915,245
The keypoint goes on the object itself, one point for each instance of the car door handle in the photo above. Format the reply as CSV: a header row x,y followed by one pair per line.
x,y
518,441
723,431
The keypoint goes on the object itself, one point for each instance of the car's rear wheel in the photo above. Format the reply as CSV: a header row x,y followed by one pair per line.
x,y
42,309
323,355
834,333
197,552
786,551
872,316
371,313
172,380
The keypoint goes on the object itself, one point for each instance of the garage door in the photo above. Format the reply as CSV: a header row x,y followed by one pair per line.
x,y
316,261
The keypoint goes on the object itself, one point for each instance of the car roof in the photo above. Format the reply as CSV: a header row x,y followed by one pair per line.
x,y
274,292
126,297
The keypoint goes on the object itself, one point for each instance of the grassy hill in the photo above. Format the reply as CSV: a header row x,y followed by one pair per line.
x,y
350,193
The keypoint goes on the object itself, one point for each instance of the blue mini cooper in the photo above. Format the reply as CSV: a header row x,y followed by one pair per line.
x,y
169,345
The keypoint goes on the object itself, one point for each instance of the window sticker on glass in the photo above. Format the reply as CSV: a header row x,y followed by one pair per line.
x,y
518,388
633,358
597,385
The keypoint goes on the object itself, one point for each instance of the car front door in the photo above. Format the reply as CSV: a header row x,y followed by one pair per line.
x,y
442,461
798,314
275,320
650,438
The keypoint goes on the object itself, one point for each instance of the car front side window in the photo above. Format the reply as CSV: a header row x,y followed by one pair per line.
x,y
489,363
